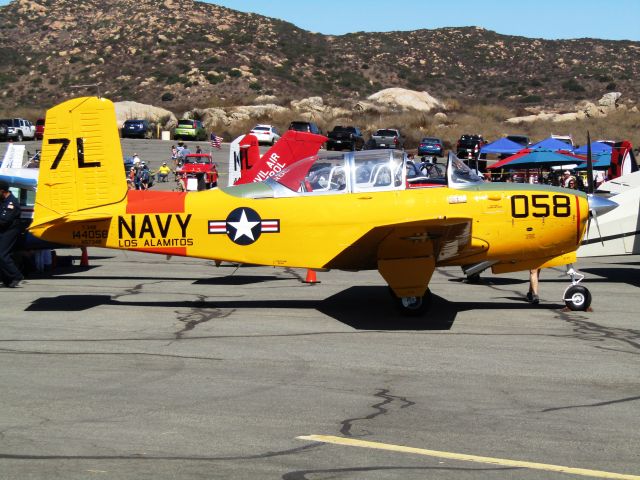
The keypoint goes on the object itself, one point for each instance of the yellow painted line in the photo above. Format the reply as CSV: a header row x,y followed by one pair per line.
x,y
352,442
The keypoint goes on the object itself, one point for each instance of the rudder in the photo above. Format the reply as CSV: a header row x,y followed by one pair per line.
x,y
81,164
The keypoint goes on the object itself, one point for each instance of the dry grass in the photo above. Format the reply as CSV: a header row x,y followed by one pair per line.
x,y
487,120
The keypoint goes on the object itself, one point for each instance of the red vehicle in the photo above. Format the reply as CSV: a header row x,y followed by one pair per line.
x,y
197,172
39,128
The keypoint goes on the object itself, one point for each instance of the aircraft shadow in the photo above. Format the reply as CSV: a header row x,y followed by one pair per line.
x,y
360,307
239,280
616,275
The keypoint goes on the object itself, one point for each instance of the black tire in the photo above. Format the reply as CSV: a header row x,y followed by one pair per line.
x,y
413,306
577,298
473,279
19,137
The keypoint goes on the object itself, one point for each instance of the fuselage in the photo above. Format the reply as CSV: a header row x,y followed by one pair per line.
x,y
508,223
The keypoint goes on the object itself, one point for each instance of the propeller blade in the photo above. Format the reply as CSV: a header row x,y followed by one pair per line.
x,y
590,185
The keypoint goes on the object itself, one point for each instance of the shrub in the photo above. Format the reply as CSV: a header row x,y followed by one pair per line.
x,y
167,97
572,85
235,73
255,86
531,99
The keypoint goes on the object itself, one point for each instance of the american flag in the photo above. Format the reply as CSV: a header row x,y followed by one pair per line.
x,y
216,141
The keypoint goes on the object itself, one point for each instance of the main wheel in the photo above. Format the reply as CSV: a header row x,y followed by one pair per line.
x,y
577,298
413,306
19,137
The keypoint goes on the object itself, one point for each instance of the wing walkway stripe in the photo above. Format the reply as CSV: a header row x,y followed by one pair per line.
x,y
352,442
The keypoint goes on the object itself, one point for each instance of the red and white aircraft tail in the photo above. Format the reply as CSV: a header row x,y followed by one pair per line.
x,y
246,165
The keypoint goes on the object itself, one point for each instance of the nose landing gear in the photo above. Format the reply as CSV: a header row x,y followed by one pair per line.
x,y
576,297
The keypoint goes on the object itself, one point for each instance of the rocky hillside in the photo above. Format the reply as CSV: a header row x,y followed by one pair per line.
x,y
186,54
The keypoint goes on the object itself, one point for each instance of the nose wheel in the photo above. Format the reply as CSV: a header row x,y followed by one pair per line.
x,y
576,297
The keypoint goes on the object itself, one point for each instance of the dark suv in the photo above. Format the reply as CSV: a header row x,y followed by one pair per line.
x,y
345,137
305,127
136,129
469,146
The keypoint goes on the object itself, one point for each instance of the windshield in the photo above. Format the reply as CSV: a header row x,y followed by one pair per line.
x,y
336,172
459,174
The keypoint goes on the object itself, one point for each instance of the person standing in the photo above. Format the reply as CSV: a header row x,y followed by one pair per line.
x,y
532,294
9,231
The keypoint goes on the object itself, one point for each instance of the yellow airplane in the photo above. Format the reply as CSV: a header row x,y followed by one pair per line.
x,y
349,211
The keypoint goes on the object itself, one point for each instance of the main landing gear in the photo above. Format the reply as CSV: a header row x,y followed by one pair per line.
x,y
576,297
412,306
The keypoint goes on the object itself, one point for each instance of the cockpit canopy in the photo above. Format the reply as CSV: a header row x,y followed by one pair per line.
x,y
364,171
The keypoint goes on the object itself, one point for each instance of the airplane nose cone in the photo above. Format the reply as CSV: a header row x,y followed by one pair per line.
x,y
600,205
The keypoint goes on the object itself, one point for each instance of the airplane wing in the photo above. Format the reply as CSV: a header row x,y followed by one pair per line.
x,y
26,178
441,239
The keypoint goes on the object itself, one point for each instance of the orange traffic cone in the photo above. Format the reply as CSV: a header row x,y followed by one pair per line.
x,y
84,259
311,277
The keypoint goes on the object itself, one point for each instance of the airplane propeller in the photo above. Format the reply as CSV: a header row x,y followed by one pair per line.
x,y
597,205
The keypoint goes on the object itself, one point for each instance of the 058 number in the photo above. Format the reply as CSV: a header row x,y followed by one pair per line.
x,y
523,206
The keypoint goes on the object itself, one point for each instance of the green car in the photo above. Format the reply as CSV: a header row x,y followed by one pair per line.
x,y
190,130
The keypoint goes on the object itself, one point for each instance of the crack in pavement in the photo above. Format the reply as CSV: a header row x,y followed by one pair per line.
x,y
380,409
595,333
591,405
302,474
198,315
269,454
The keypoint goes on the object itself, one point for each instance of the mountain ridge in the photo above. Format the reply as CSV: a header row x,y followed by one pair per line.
x,y
192,54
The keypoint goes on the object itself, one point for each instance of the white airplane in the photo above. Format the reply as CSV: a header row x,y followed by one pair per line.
x,y
617,232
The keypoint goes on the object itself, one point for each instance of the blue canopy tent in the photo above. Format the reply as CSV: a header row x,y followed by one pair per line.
x,y
597,148
503,146
529,158
552,144
601,161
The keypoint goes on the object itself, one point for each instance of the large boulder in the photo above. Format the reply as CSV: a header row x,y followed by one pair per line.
x,y
610,100
216,117
403,99
309,105
128,110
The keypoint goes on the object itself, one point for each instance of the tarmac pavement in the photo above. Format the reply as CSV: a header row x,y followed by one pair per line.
x,y
139,366
142,367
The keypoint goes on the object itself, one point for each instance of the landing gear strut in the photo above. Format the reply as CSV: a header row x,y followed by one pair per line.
x,y
576,297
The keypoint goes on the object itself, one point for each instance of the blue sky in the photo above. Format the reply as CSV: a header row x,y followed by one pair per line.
x,y
611,19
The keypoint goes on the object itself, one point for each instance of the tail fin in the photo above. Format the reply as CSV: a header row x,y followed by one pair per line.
x,y
293,146
81,165
244,153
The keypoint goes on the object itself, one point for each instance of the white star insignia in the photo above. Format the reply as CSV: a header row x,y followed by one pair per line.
x,y
243,227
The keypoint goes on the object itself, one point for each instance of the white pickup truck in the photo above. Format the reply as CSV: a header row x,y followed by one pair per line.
x,y
19,129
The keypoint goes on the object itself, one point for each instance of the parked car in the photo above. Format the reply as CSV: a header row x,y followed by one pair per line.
x,y
520,139
19,129
387,138
190,130
431,146
39,128
265,134
305,127
197,172
345,137
137,129
568,139
468,146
